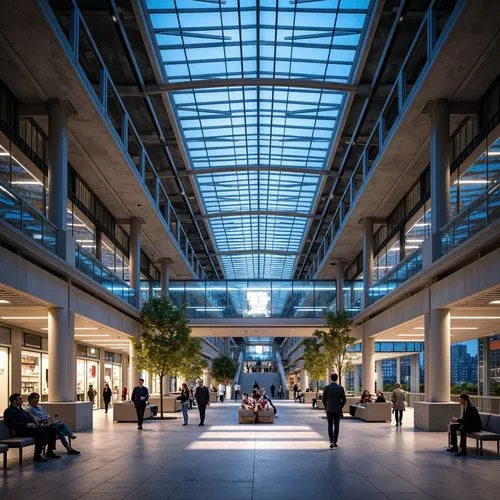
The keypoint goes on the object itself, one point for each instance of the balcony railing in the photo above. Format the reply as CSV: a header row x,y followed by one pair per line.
x,y
427,41
471,220
90,266
76,38
254,299
19,214
407,268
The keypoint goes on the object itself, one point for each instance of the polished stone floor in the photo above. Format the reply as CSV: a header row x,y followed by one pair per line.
x,y
285,461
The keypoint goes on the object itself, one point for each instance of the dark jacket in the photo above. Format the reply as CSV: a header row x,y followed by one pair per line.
x,y
471,419
334,398
138,393
202,396
106,394
185,395
17,419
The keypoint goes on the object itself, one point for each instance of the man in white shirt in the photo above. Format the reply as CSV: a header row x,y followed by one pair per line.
x,y
237,389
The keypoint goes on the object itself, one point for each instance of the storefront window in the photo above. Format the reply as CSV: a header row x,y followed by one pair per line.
x,y
113,377
87,372
4,376
30,372
80,380
45,378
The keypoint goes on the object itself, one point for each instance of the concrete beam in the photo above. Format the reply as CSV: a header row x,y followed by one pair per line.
x,y
454,108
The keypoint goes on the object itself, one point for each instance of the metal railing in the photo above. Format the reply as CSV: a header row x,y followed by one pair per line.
x,y
407,268
22,216
395,106
76,38
240,364
471,220
93,268
281,370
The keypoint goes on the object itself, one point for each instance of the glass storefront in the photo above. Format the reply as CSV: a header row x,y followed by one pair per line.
x,y
113,377
34,374
87,373
4,377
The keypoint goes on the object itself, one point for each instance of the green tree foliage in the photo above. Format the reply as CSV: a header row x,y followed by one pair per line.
x,y
466,387
224,369
315,360
336,339
165,346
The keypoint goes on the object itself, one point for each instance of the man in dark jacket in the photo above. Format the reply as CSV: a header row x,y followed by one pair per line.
x,y
334,400
202,400
22,424
470,422
140,396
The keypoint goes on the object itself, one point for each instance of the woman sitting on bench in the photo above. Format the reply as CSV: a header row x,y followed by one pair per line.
x,y
43,419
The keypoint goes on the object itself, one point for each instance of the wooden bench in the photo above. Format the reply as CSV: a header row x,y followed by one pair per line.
x,y
13,442
490,432
246,416
265,416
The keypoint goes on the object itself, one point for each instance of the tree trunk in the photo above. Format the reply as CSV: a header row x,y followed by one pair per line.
x,y
161,397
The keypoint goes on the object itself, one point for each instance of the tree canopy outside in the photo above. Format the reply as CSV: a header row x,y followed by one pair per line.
x,y
166,347
224,369
315,360
336,339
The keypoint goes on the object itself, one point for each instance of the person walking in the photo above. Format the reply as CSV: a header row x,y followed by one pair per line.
x,y
237,389
273,388
280,391
398,403
202,400
91,394
222,391
106,396
185,398
296,389
140,396
334,400
124,393
256,385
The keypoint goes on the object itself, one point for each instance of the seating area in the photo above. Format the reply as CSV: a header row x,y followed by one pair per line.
x,y
374,412
125,412
490,432
7,441
252,417
170,403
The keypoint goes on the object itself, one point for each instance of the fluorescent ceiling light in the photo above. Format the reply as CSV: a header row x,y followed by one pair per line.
x,y
414,240
422,224
471,181
492,302
86,328
3,301
475,317
24,317
85,241
410,334
411,247
84,335
453,328
27,183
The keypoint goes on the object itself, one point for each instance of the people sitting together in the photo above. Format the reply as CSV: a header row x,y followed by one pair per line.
x,y
258,401
37,423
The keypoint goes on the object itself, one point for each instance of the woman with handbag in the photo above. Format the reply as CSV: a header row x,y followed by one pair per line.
x,y
184,397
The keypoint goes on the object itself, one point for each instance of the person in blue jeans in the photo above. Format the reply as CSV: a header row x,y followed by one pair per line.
x,y
43,419
184,397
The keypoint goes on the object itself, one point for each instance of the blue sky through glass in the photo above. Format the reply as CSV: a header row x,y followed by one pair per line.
x,y
259,134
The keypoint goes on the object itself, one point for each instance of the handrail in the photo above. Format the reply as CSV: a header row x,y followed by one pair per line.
x,y
238,373
281,370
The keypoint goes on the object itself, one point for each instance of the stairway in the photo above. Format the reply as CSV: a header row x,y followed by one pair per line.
x,y
265,380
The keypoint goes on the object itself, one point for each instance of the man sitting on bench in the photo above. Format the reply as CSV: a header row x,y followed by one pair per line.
x,y
22,425
470,422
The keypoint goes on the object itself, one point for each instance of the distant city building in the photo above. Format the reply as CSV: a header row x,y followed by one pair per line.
x,y
463,365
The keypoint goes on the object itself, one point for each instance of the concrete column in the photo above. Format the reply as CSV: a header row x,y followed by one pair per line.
x,y
133,373
340,286
380,375
16,343
439,355
71,356
486,367
165,276
367,259
369,364
135,256
58,171
440,172
355,369
61,337
415,373
398,370
100,402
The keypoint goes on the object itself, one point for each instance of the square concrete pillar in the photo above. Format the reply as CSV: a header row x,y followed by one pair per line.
x,y
434,417
78,415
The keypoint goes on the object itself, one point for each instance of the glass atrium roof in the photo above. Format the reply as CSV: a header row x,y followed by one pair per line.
x,y
260,149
